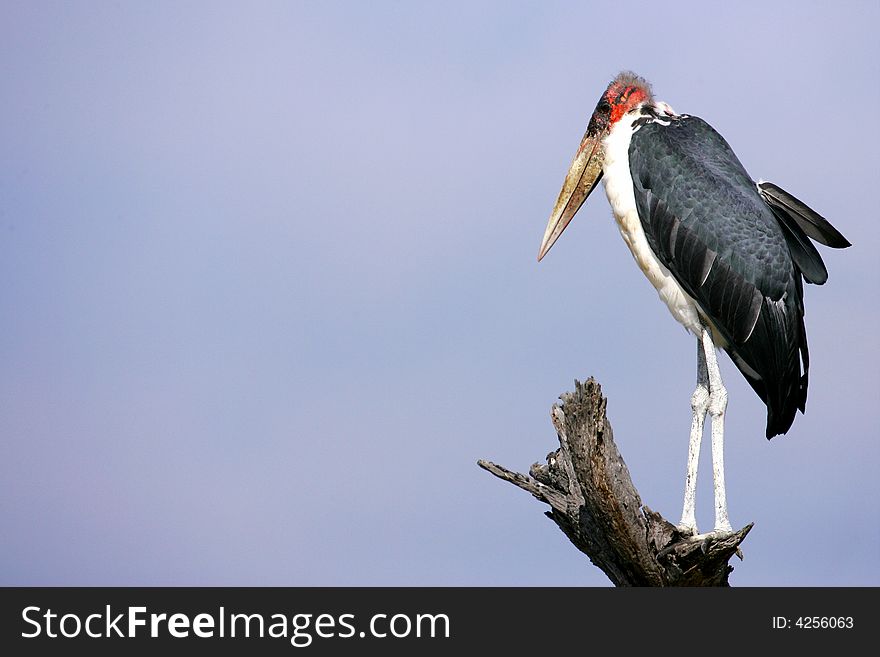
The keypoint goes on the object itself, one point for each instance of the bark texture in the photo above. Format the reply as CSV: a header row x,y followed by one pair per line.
x,y
594,502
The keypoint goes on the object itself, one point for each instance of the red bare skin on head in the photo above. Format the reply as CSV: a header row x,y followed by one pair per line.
x,y
624,98
626,92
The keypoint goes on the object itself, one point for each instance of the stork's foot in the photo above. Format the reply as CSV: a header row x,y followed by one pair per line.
x,y
686,529
693,553
714,535
723,530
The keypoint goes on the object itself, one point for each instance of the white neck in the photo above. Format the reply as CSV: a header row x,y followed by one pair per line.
x,y
619,189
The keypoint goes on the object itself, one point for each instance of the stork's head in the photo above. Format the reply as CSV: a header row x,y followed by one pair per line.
x,y
625,93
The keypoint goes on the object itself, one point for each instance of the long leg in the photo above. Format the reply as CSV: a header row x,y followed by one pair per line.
x,y
699,405
717,407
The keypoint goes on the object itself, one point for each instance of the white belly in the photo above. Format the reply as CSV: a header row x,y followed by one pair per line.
x,y
619,189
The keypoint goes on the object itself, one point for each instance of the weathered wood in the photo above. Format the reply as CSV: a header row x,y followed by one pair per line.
x,y
594,502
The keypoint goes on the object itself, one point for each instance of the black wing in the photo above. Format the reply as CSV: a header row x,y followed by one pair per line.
x,y
706,222
799,223
808,220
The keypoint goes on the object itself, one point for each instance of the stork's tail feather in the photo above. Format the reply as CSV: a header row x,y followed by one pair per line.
x,y
775,361
782,405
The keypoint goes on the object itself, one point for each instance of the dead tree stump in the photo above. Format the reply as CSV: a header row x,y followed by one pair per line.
x,y
594,502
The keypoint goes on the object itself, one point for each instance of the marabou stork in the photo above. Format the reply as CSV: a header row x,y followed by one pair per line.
x,y
727,255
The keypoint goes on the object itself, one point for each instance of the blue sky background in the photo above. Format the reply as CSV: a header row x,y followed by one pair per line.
x,y
269,290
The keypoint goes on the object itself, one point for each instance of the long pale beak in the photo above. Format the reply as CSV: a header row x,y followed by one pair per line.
x,y
583,174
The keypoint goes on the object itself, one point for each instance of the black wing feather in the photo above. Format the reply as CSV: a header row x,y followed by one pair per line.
x,y
810,221
802,250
